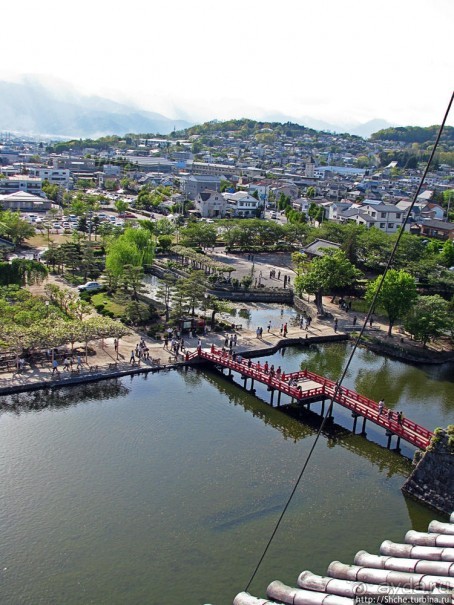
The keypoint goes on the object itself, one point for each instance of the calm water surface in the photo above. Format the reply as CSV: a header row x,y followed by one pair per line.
x,y
163,489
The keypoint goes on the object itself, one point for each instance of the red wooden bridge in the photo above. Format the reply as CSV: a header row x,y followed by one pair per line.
x,y
305,387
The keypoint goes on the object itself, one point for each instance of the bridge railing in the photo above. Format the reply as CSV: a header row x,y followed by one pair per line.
x,y
348,398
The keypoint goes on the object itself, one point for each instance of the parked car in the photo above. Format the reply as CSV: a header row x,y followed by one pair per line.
x,y
90,286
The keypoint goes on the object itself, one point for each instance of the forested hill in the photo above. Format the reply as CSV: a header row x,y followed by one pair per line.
x,y
415,134
245,127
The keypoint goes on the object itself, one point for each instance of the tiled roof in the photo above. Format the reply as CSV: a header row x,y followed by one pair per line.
x,y
423,564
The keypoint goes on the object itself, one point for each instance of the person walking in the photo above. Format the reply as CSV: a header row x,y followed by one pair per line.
x,y
269,326
285,331
381,405
132,357
79,363
54,366
354,320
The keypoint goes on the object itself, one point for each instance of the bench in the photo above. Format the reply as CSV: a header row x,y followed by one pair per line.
x,y
93,368
113,365
156,362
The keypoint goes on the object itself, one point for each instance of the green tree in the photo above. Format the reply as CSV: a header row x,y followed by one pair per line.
x,y
310,192
193,288
447,254
316,212
121,206
131,281
50,190
396,295
165,291
328,273
216,305
428,318
165,242
134,247
164,227
14,227
200,235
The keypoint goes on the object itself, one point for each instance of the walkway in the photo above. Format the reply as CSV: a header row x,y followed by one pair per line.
x,y
305,387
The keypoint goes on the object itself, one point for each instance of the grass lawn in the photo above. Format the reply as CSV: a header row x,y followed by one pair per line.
x,y
39,240
110,305
360,306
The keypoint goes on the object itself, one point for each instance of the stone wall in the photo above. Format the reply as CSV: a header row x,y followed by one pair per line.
x,y
269,296
432,481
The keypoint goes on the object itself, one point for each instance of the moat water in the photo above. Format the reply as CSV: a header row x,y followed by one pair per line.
x,y
164,488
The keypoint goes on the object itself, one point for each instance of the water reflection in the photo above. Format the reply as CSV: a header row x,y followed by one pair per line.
x,y
66,396
296,423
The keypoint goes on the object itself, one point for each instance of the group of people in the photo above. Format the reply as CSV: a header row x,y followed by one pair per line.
x,y
68,363
140,353
389,413
230,341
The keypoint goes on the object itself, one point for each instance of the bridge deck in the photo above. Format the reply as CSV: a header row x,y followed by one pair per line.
x,y
305,386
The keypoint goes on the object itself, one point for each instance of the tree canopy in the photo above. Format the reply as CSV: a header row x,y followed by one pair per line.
x,y
331,272
396,294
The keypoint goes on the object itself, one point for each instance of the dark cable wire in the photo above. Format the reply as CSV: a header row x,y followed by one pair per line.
x,y
355,346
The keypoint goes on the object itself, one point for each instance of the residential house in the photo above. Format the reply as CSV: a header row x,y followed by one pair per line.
x,y
211,204
318,247
243,205
386,217
302,204
434,228
192,185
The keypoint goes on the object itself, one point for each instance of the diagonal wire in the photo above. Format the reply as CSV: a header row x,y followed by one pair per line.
x,y
355,346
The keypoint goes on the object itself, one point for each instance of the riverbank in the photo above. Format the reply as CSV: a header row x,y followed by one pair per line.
x,y
104,362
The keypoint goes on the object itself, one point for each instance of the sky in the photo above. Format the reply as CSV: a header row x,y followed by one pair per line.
x,y
340,61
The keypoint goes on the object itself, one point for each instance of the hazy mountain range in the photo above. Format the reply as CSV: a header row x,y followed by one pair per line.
x,y
37,107
32,108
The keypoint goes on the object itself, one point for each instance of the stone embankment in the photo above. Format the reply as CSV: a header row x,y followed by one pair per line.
x,y
432,481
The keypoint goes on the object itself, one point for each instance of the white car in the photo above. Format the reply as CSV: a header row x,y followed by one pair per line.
x,y
90,286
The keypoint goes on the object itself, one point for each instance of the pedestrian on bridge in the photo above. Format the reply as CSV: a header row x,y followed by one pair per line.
x,y
381,405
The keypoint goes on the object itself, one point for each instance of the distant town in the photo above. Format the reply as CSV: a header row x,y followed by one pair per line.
x,y
241,169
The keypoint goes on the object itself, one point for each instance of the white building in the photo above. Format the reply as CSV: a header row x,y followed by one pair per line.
x,y
243,205
386,217
55,176
20,182
211,204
